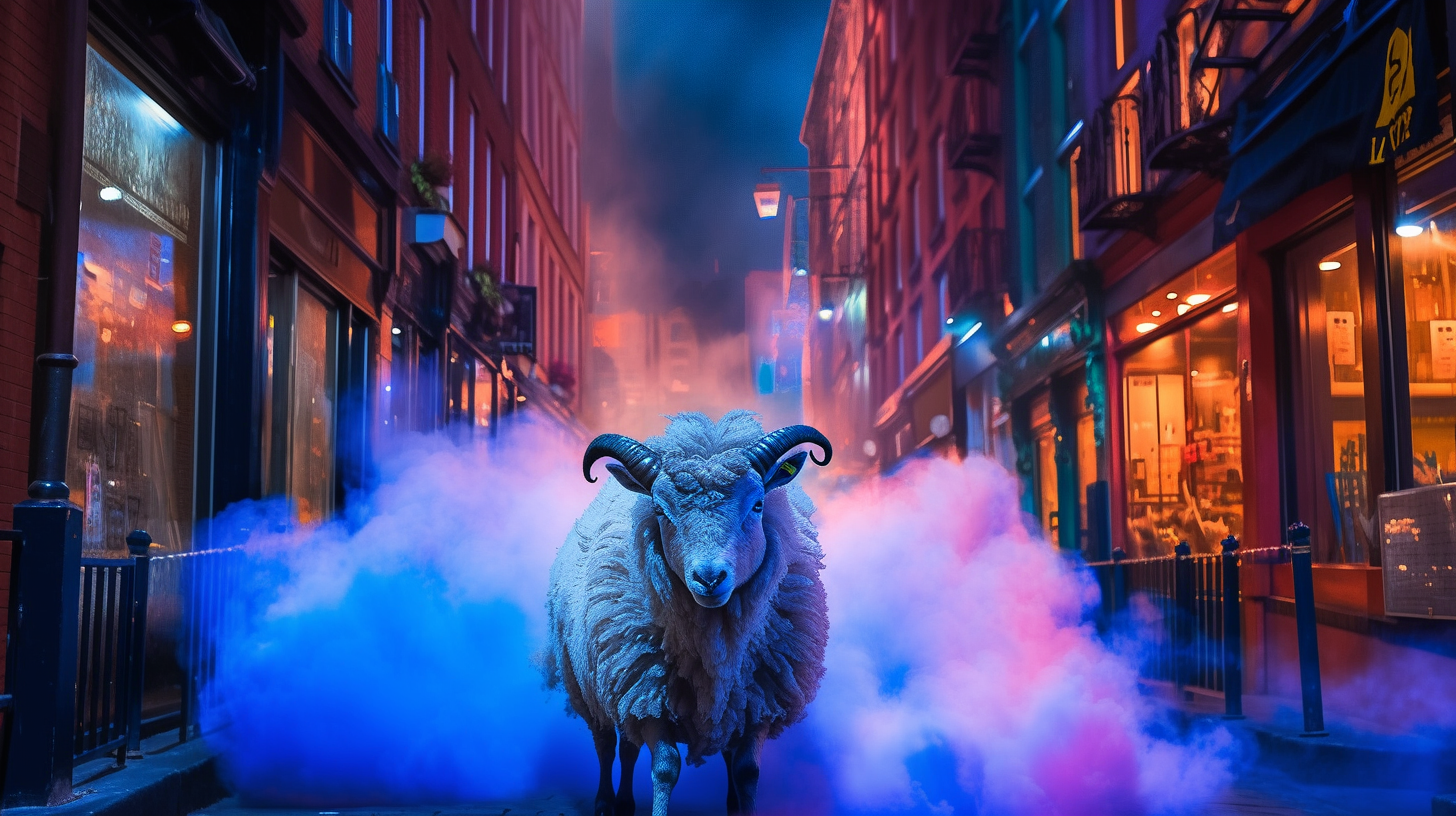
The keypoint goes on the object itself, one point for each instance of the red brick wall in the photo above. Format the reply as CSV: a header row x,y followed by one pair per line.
x,y
26,67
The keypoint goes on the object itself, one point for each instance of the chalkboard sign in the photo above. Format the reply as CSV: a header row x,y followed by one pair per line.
x,y
1418,538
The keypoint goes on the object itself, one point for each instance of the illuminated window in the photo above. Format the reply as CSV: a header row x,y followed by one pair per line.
x,y
1126,143
1124,22
1076,202
339,36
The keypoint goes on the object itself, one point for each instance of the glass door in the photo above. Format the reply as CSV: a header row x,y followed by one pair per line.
x,y
301,412
1329,454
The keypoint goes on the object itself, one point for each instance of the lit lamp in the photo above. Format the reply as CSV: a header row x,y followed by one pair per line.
x,y
766,199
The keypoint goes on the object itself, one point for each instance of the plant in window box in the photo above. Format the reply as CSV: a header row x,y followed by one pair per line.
x,y
488,312
430,176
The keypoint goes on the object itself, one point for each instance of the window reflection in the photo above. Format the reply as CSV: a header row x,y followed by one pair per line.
x,y
1430,320
1045,434
303,360
1184,459
130,464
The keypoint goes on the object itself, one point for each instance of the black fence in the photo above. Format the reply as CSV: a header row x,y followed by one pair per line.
x,y
77,665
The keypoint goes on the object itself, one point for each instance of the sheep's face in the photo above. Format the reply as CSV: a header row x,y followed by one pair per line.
x,y
712,528
710,512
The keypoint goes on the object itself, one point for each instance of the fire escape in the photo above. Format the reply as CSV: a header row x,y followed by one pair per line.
x,y
972,135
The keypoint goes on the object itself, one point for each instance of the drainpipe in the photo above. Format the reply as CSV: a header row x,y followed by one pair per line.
x,y
42,651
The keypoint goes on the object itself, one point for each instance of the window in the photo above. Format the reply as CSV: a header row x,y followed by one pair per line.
x,y
339,37
450,135
490,35
303,334
1181,397
1328,374
899,356
387,90
530,252
899,256
470,185
501,213
917,322
1073,165
1124,35
420,95
940,179
487,180
1126,141
1428,263
130,463
915,222
942,301
1045,435
1193,290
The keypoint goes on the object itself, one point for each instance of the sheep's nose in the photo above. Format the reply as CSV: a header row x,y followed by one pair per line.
x,y
709,581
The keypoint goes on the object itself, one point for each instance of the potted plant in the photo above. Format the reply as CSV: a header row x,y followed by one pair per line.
x,y
430,176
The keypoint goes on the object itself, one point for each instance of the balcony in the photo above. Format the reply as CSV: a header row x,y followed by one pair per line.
x,y
973,267
972,137
1111,181
971,38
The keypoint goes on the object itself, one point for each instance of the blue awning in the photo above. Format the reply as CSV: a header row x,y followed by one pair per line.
x,y
1362,94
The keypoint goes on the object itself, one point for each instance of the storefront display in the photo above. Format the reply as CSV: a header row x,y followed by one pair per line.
x,y
1428,266
137,270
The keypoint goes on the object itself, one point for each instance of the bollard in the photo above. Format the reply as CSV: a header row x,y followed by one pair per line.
x,y
1182,612
1309,670
1233,641
139,543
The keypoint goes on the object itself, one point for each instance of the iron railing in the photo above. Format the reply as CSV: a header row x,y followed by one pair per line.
x,y
106,650
972,134
1112,184
207,582
973,266
1186,124
970,34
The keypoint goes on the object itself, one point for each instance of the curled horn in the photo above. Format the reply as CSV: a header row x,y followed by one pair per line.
x,y
766,451
639,459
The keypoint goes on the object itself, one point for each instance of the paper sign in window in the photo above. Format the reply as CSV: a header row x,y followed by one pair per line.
x,y
1340,333
1443,349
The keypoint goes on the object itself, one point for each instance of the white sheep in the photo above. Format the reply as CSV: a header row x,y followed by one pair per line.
x,y
686,607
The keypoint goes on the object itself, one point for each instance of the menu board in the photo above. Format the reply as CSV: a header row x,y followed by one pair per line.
x,y
1418,551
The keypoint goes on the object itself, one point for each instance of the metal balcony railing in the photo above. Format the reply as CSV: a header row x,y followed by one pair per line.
x,y
1112,182
974,266
971,38
1187,126
972,136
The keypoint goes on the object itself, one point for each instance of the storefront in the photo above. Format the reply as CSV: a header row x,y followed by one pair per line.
x,y
1052,367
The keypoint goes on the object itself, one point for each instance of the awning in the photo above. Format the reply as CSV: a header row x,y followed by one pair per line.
x,y
1364,93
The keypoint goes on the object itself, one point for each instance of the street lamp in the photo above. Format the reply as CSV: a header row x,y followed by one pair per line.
x,y
766,199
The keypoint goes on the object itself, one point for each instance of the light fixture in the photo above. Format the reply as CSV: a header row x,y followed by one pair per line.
x,y
1046,341
800,272
1193,373
766,199
949,320
109,193
388,388
1409,230
1157,313
826,313
973,330
1183,308
1172,296
1144,328
520,398
1196,300
1232,307
181,327
1329,266
395,330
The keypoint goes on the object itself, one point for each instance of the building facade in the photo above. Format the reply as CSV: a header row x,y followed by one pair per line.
x,y
1229,238
303,224
917,292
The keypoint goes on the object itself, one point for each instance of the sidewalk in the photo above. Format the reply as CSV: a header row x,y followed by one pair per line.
x,y
172,779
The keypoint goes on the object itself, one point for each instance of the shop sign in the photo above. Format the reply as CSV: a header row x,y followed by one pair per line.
x,y
1418,551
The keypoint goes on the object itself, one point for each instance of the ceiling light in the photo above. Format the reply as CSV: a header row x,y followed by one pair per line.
x,y
1408,230
826,313
181,327
1183,308
110,193
1144,328
395,330
800,272
1193,373
1172,296
1329,266
520,398
1232,307
1195,300
949,320
1157,313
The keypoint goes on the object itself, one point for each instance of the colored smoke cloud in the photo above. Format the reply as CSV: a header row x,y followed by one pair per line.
x,y
387,656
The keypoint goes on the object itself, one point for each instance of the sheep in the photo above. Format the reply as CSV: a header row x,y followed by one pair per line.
x,y
685,605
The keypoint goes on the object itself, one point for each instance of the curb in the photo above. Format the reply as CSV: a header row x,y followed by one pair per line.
x,y
1336,760
173,779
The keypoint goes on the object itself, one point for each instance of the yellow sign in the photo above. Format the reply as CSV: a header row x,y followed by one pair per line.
x,y
1397,92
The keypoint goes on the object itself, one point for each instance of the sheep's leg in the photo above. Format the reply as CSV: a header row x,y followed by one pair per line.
x,y
666,765
606,742
732,787
742,761
627,750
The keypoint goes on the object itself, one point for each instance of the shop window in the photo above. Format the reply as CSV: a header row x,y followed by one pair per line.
x,y
1428,260
1187,294
1181,403
1330,463
130,460
1086,455
1045,435
302,342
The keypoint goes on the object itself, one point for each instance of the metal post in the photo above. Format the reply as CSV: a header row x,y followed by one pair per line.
x,y
1119,581
1304,622
1233,639
43,652
1183,612
139,543
1099,521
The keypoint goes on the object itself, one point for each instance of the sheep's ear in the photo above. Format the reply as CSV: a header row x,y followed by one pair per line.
x,y
786,471
624,477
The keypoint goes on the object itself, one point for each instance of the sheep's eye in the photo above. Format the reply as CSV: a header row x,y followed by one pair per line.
x,y
758,506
